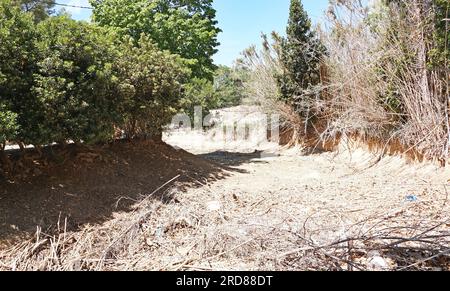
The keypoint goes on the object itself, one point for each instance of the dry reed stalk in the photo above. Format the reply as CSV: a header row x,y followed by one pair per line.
x,y
367,59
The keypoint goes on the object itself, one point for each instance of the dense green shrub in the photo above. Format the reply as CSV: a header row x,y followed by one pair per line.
x,y
75,82
8,125
63,80
18,58
151,83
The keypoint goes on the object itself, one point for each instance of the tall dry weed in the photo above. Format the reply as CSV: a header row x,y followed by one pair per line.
x,y
380,83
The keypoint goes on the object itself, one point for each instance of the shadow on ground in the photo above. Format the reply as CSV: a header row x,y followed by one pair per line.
x,y
88,188
232,159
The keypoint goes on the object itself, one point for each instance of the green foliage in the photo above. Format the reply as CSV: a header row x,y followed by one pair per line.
x,y
390,67
8,124
198,92
440,54
40,9
184,27
301,55
391,21
65,80
229,86
18,57
226,90
151,82
75,84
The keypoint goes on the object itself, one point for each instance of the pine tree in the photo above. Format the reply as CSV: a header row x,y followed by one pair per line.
x,y
301,53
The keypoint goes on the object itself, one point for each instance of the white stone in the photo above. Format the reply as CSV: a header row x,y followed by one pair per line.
x,y
213,206
378,263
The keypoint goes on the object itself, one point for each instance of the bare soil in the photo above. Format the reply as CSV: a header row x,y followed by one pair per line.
x,y
89,186
227,209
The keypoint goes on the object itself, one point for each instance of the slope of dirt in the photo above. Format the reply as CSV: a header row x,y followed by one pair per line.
x,y
328,211
89,187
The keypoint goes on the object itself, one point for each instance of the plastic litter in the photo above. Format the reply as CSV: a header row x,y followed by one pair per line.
x,y
411,198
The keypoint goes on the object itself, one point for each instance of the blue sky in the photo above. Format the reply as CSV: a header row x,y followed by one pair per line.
x,y
242,21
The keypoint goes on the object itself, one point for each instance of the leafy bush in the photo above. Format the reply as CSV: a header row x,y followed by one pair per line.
x,y
64,80
151,83
8,125
75,82
18,57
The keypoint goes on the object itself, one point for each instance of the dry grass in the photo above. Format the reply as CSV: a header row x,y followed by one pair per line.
x,y
263,88
376,82
367,60
274,214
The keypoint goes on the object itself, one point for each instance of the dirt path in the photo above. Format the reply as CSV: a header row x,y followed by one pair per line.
x,y
288,211
273,206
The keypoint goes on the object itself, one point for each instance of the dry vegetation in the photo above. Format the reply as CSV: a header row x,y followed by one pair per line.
x,y
326,211
368,60
377,81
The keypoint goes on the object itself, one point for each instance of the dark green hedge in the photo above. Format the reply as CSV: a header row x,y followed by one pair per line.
x,y
65,80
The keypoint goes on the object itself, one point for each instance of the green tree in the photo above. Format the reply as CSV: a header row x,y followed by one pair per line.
x,y
75,83
8,125
8,132
440,55
198,93
184,27
301,54
151,83
41,9
62,80
229,86
18,59
226,90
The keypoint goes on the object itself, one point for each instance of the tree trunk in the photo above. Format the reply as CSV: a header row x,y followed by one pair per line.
x,y
158,137
22,147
